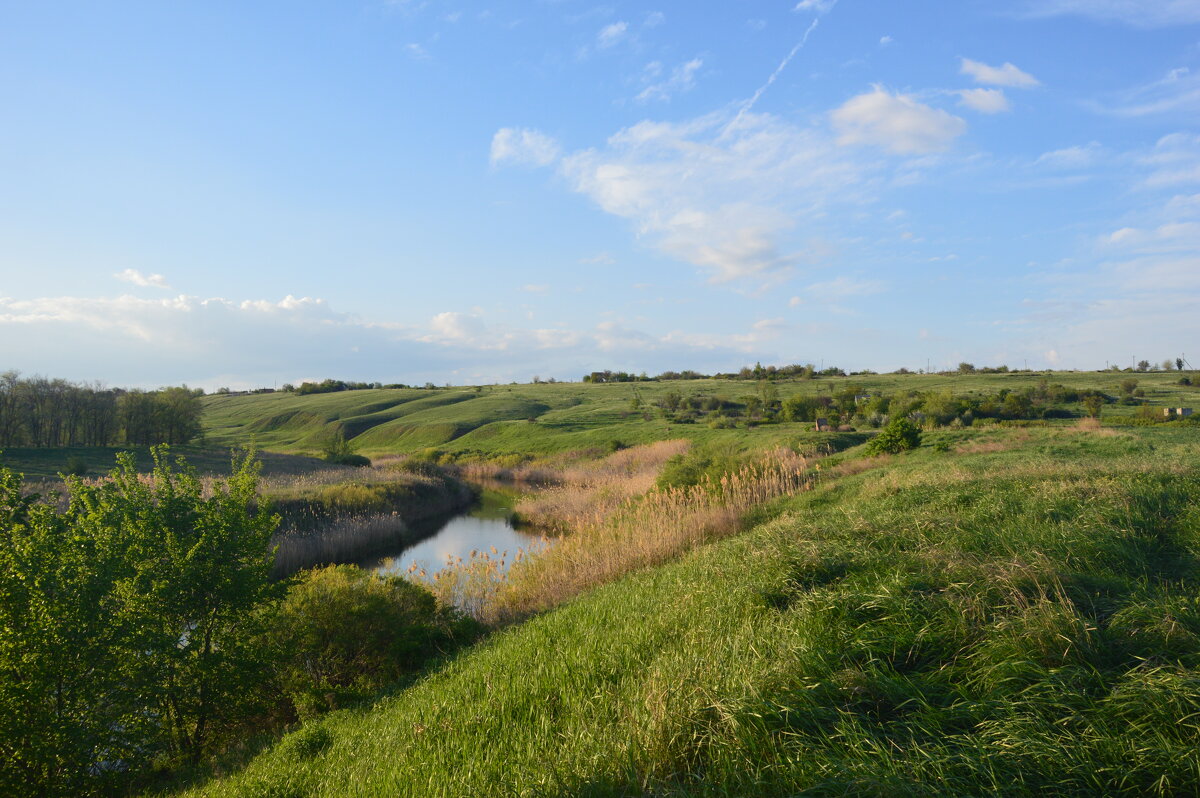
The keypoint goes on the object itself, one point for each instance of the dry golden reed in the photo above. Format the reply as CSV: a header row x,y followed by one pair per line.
x,y
618,523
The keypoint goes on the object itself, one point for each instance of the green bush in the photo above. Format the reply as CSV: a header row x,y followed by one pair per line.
x,y
76,467
341,634
357,460
899,435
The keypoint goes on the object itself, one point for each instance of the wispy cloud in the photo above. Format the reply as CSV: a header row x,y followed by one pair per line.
x,y
523,146
144,280
986,101
683,78
731,200
816,6
1177,92
1077,157
610,35
1004,75
1136,13
897,123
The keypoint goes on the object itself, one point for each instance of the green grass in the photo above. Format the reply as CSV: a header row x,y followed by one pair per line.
x,y
999,612
547,418
38,464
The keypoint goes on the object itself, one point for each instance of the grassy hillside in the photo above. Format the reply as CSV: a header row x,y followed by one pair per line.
x,y
527,419
1011,611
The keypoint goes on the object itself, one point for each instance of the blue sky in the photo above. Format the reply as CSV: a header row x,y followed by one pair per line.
x,y
243,194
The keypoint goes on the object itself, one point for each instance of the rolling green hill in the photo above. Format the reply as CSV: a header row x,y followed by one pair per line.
x,y
541,418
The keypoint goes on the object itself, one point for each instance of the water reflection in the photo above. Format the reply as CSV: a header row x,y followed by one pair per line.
x,y
486,525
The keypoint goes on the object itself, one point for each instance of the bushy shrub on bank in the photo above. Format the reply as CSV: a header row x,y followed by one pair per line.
x,y
342,634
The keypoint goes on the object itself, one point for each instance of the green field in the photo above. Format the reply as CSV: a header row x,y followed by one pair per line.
x,y
48,463
543,418
1003,611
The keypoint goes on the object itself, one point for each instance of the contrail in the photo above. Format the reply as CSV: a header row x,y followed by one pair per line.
x,y
745,109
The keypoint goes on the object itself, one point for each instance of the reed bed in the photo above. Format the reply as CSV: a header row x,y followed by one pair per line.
x,y
615,528
582,467
346,538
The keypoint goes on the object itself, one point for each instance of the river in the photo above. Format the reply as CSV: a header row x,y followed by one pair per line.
x,y
487,524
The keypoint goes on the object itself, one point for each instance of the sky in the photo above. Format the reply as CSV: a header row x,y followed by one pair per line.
x,y
245,194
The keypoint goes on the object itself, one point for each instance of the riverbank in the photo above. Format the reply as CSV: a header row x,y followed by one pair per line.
x,y
352,514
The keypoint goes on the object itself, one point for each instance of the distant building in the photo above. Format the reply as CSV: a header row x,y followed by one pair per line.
x,y
1181,412
822,425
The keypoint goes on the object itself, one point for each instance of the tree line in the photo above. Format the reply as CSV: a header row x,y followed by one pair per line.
x,y
44,412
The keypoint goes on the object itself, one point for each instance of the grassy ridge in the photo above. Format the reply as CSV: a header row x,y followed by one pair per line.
x,y
544,418
1009,611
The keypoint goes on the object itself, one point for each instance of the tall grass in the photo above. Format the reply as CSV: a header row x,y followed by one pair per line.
x,y
618,522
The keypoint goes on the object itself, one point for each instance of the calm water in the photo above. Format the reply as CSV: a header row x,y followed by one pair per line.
x,y
484,526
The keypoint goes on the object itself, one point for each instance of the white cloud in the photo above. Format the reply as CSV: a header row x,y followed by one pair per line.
x,y
986,101
816,6
683,78
1174,160
1177,92
1006,75
1137,13
730,200
610,35
884,41
895,122
1076,157
144,280
654,19
523,146
211,342
416,51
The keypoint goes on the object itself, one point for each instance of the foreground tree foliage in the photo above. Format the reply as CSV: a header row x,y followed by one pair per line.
x,y
140,630
125,623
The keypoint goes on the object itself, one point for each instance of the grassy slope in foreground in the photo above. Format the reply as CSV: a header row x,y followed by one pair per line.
x,y
497,419
1018,614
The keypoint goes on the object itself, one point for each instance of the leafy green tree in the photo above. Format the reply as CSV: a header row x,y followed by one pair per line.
x,y
199,564
899,435
1093,402
127,622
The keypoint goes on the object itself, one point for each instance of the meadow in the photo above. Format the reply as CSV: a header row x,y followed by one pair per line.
x,y
521,421
1002,611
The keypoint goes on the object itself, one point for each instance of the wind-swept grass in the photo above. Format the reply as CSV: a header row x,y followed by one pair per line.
x,y
1018,621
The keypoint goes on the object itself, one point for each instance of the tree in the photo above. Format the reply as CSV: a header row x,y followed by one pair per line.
x,y
1093,403
899,435
1179,364
966,368
127,621
1143,365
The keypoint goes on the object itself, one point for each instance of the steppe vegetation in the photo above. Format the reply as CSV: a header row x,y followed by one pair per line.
x,y
978,582
1001,611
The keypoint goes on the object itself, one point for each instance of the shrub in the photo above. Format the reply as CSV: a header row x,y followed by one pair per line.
x,y
76,467
356,460
899,435
341,634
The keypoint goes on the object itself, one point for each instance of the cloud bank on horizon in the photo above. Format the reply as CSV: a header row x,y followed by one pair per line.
x,y
479,196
